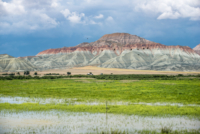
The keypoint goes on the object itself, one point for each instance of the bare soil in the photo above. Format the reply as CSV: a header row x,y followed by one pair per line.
x,y
97,71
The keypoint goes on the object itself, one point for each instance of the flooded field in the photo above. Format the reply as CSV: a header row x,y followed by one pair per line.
x,y
94,106
73,101
73,122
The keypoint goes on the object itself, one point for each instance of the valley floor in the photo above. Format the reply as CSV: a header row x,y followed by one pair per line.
x,y
79,106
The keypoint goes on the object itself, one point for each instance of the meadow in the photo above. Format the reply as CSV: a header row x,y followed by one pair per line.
x,y
173,91
141,96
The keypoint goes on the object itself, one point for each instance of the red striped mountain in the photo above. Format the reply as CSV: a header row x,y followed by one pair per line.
x,y
197,49
117,42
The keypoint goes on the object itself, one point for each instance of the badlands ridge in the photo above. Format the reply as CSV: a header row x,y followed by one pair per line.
x,y
118,50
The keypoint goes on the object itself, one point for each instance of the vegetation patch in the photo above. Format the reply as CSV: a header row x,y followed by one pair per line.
x,y
182,91
106,77
143,110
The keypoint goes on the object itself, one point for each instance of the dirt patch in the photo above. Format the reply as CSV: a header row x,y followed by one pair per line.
x,y
168,83
128,81
78,78
97,71
25,81
97,81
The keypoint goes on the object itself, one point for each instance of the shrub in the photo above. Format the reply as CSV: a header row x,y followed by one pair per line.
x,y
28,77
9,78
55,74
48,74
20,77
36,77
180,75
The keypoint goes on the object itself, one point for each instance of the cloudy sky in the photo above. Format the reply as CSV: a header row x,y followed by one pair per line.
x,y
30,26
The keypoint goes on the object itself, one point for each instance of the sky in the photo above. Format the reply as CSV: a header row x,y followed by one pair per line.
x,y
28,27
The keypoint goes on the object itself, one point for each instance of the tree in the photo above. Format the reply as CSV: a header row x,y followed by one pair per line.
x,y
26,73
68,73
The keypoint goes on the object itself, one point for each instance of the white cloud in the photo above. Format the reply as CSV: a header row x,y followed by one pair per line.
x,y
169,15
46,14
37,21
171,9
15,7
46,19
65,12
75,18
18,15
100,16
92,22
54,4
110,18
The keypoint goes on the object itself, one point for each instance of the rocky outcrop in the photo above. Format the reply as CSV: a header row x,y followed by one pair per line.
x,y
197,49
11,64
2,56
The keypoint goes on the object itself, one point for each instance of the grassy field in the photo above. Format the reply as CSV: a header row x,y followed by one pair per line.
x,y
172,91
143,110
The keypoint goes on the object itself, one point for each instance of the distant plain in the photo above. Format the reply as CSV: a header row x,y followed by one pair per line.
x,y
98,70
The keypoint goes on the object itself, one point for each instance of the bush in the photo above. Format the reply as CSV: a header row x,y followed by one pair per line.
x,y
52,74
48,74
28,77
11,74
180,75
9,78
20,77
36,77
55,74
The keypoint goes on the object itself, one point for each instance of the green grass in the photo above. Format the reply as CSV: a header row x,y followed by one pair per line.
x,y
172,91
143,110
154,132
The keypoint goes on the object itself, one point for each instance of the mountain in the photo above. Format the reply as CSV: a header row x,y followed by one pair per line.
x,y
11,64
116,39
197,49
118,50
